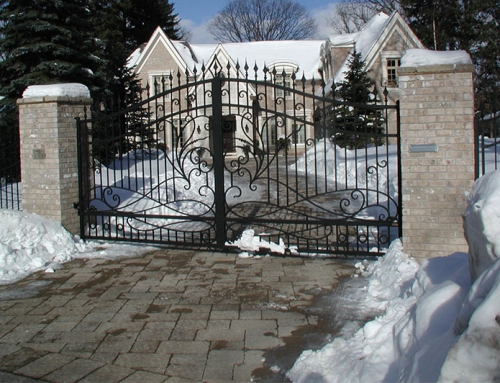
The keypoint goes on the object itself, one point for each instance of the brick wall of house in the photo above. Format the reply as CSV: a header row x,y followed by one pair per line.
x,y
437,143
49,157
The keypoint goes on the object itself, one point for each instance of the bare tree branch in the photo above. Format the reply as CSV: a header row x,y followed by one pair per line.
x,y
350,16
262,20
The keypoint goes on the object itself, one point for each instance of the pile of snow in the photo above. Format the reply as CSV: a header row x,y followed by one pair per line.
x,y
423,57
57,90
434,325
481,223
29,243
249,244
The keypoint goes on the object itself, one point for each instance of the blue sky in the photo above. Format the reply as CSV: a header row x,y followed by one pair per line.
x,y
195,14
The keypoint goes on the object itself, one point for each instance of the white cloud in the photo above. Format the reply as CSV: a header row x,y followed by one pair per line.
x,y
199,33
320,15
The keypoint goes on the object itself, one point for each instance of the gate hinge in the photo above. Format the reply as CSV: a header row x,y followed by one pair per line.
x,y
76,205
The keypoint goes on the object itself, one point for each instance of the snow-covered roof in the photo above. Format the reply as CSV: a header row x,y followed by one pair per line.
x,y
424,57
364,40
304,56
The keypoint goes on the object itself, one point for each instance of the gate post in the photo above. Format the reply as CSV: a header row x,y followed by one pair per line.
x,y
218,159
437,150
49,170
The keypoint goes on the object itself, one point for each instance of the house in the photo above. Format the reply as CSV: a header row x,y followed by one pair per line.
x,y
163,63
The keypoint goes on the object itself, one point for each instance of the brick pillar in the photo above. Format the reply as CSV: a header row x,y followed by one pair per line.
x,y
437,145
49,150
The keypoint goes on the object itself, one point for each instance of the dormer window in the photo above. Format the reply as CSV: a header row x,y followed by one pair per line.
x,y
392,71
283,72
390,62
160,83
285,81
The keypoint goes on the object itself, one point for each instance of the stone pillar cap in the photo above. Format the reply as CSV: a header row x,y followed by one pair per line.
x,y
57,90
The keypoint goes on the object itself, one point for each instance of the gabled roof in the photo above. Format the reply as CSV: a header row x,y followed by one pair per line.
x,y
180,51
372,38
303,57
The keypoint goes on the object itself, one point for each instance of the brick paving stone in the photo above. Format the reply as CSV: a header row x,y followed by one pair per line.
x,y
73,371
11,378
80,349
145,346
144,377
218,335
22,333
19,357
7,349
115,346
155,334
257,340
173,316
44,365
220,365
183,347
109,374
104,357
144,361
50,346
262,325
252,360
188,366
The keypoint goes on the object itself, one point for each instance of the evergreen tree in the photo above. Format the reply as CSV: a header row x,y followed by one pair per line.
x,y
121,27
43,42
436,22
353,123
471,25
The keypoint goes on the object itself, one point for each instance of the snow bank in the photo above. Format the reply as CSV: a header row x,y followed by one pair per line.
x,y
434,326
422,57
29,242
57,90
482,223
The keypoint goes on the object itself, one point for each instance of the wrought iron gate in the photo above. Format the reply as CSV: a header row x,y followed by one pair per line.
x,y
201,159
10,161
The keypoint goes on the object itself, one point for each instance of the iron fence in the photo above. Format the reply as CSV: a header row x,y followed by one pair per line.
x,y
487,127
10,171
203,160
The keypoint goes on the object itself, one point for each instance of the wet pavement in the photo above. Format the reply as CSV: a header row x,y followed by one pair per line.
x,y
167,316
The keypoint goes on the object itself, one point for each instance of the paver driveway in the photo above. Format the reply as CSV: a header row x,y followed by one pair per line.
x,y
168,316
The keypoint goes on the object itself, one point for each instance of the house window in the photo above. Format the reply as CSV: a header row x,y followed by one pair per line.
x,y
177,134
285,81
269,132
160,83
298,133
392,66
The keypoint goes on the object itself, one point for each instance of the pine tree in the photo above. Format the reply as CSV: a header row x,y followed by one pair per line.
x,y
436,22
353,123
121,27
43,42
